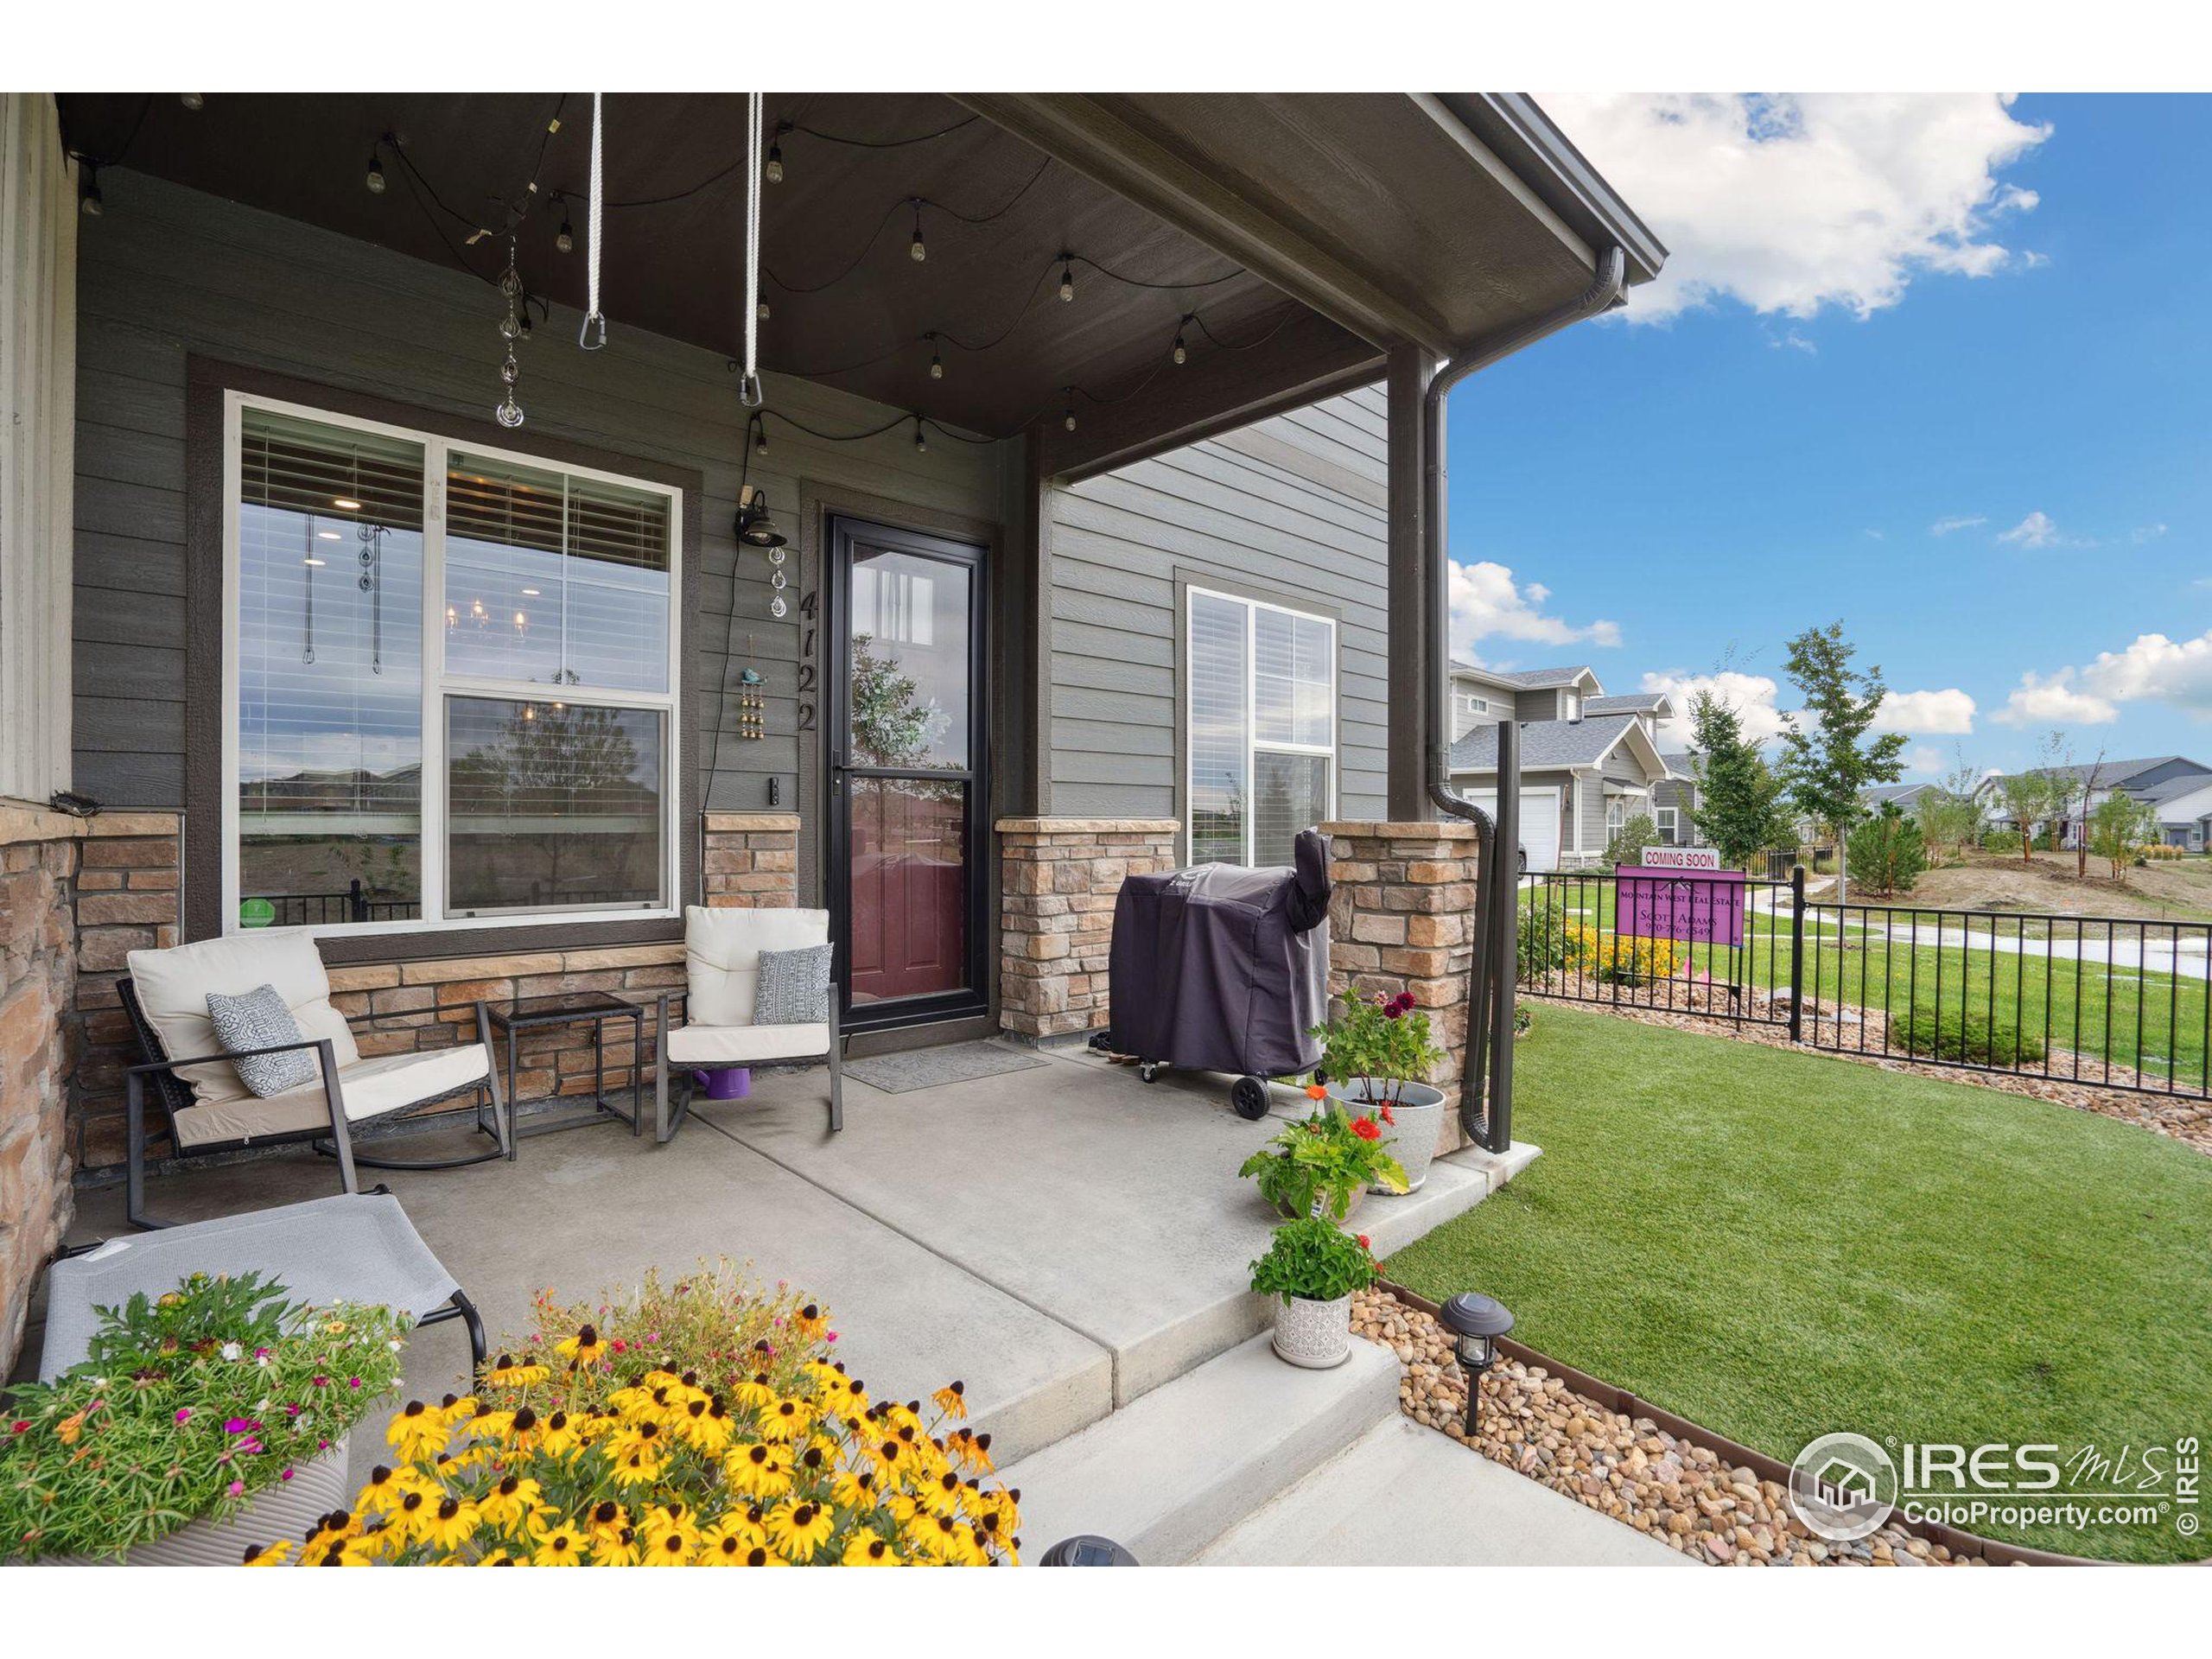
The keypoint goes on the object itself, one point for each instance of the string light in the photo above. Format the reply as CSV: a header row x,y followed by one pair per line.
x,y
774,170
759,436
193,101
375,180
936,363
1067,277
921,444
915,250
761,310
1067,414
1180,355
565,239
88,193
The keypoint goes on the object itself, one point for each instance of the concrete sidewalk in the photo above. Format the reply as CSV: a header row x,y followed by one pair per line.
x,y
1405,1495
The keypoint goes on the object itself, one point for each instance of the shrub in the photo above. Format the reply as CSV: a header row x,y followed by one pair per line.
x,y
1329,1158
1626,845
1968,1037
1624,960
2000,841
1888,851
1315,1261
187,1404
1548,943
791,1464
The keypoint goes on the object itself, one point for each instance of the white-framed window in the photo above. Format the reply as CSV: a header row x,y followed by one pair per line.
x,y
1616,817
450,679
1478,705
1570,705
1260,701
1664,817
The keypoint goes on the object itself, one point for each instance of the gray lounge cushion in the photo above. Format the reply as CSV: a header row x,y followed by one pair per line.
x,y
794,987
255,1021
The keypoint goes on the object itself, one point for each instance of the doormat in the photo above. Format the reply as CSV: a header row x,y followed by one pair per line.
x,y
930,1068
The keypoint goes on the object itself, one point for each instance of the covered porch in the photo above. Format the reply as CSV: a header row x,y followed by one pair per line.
x,y
1037,371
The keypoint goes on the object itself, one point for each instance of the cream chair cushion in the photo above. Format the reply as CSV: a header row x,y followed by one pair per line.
x,y
173,987
371,1087
721,959
746,1045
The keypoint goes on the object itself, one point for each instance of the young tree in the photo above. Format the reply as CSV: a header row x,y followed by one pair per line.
x,y
2119,828
1889,851
2082,836
2040,793
1949,814
1627,844
1739,811
1830,762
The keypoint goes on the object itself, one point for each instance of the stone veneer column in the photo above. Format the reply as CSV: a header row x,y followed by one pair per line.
x,y
1059,879
751,859
1401,918
40,856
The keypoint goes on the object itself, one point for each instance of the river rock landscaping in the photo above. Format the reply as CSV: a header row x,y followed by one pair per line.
x,y
1631,1469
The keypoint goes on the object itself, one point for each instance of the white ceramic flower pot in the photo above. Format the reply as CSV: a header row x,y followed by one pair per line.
x,y
1316,1335
1417,1111
284,1510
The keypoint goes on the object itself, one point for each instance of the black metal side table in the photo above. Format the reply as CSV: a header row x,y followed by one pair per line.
x,y
521,1014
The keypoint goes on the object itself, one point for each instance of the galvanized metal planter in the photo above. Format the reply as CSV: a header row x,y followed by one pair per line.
x,y
1418,1111
284,1511
1316,1335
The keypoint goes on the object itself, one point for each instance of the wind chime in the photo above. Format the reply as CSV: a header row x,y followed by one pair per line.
x,y
509,413
752,719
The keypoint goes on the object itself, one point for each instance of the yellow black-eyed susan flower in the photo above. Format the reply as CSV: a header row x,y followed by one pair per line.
x,y
506,1374
951,1400
797,1530
418,1433
559,1548
586,1348
870,1549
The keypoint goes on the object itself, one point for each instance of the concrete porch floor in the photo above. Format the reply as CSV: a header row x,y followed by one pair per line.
x,y
1063,1238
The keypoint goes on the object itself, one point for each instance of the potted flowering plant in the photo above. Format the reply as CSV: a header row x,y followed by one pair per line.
x,y
698,1423
212,1414
1321,1166
1312,1268
1376,1058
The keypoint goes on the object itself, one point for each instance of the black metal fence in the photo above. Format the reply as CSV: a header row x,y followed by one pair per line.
x,y
354,904
2116,1002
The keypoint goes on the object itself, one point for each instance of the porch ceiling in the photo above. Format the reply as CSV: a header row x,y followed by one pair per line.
x,y
1306,233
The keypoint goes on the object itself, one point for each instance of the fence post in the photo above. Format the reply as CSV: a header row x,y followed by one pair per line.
x,y
357,908
1797,953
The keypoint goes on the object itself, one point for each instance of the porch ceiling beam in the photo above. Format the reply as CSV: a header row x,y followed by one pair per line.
x,y
1176,187
1310,360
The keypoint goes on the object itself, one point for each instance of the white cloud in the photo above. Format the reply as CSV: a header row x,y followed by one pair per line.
x,y
2148,533
1964,521
1793,203
2157,669
1874,534
2038,529
1925,760
2037,700
1486,604
1946,713
1752,695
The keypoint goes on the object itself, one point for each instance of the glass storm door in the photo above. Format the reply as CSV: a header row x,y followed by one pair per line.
x,y
906,773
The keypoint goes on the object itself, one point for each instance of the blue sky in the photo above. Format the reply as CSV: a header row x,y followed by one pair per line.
x,y
1834,419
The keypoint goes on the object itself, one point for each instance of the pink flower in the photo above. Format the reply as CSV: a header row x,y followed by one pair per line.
x,y
287,1475
831,1336
620,1346
353,1382
320,1382
323,1446
240,1425
236,1489
183,1412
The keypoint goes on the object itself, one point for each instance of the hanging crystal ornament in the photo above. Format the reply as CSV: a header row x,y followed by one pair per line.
x,y
779,606
509,413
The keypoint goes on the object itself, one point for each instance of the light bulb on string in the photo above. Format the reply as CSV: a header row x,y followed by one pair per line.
x,y
193,101
88,193
1067,416
773,171
916,250
565,238
921,441
1180,355
375,180
761,311
1067,277
936,362
759,436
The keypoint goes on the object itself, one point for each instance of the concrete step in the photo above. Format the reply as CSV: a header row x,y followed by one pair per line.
x,y
1405,1495
1173,1471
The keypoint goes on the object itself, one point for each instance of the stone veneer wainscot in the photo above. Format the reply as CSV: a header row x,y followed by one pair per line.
x,y
1058,881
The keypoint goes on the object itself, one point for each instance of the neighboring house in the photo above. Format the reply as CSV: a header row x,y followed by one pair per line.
x,y
2150,778
2184,808
1674,797
1589,762
1904,796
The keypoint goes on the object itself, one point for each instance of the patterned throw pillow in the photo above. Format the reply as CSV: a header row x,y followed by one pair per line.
x,y
794,987
255,1021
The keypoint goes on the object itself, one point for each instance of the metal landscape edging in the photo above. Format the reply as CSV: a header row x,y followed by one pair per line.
x,y
1995,1551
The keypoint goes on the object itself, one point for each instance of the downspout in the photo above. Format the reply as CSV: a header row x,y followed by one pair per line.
x,y
1495,903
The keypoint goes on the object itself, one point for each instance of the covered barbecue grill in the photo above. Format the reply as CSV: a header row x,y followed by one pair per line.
x,y
1217,968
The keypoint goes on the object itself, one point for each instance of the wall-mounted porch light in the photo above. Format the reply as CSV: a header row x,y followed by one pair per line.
x,y
1476,1323
754,527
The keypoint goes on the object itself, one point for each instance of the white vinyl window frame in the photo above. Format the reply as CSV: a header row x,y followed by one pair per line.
x,y
1664,817
438,686
1478,705
1253,747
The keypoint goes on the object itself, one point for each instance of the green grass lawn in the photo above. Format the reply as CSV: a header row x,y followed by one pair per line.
x,y
1776,1244
2153,1022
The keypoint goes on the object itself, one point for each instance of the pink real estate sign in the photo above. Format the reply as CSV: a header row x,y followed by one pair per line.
x,y
1702,906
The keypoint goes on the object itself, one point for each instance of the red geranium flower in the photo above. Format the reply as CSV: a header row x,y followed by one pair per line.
x,y
1387,1118
1363,1244
1366,1128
